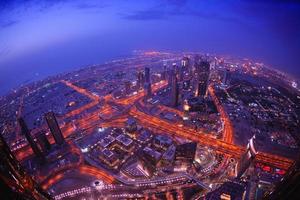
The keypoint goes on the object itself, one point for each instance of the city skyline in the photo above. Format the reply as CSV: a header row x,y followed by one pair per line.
x,y
33,46
149,100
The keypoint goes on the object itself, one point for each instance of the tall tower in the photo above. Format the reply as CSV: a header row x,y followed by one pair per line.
x,y
226,77
44,142
164,73
140,80
54,128
175,92
30,140
289,185
185,62
203,72
246,159
147,74
14,182
147,85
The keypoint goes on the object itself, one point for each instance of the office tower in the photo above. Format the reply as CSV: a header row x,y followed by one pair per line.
x,y
203,72
226,77
32,143
171,75
14,182
175,92
247,158
289,185
147,75
164,73
185,62
140,80
148,90
181,73
43,141
54,128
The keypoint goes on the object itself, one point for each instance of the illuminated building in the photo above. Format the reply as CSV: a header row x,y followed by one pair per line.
x,y
164,73
140,80
54,128
185,62
15,183
247,158
175,92
148,90
203,73
228,191
186,109
147,75
289,186
43,142
147,85
30,140
226,77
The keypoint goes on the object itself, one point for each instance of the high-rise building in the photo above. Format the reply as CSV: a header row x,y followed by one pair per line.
x,y
30,140
185,62
226,77
54,128
203,72
171,75
15,183
140,80
147,75
175,92
186,109
164,73
148,90
229,190
44,142
247,158
289,185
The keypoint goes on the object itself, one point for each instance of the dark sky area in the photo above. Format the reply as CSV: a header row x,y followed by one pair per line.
x,y
40,38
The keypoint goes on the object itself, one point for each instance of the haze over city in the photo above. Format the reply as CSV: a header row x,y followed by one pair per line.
x,y
41,38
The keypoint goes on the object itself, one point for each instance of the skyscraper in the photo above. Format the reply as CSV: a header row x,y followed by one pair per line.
x,y
43,141
148,90
185,62
246,159
14,182
147,74
175,92
140,80
289,185
164,73
54,128
30,140
226,77
147,85
203,72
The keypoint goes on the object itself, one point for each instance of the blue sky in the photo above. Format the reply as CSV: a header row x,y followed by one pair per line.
x,y
40,38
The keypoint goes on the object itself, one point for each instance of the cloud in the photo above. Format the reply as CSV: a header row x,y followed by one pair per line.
x,y
8,23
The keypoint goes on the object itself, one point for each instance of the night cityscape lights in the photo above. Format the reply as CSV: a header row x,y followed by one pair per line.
x,y
154,126
149,100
